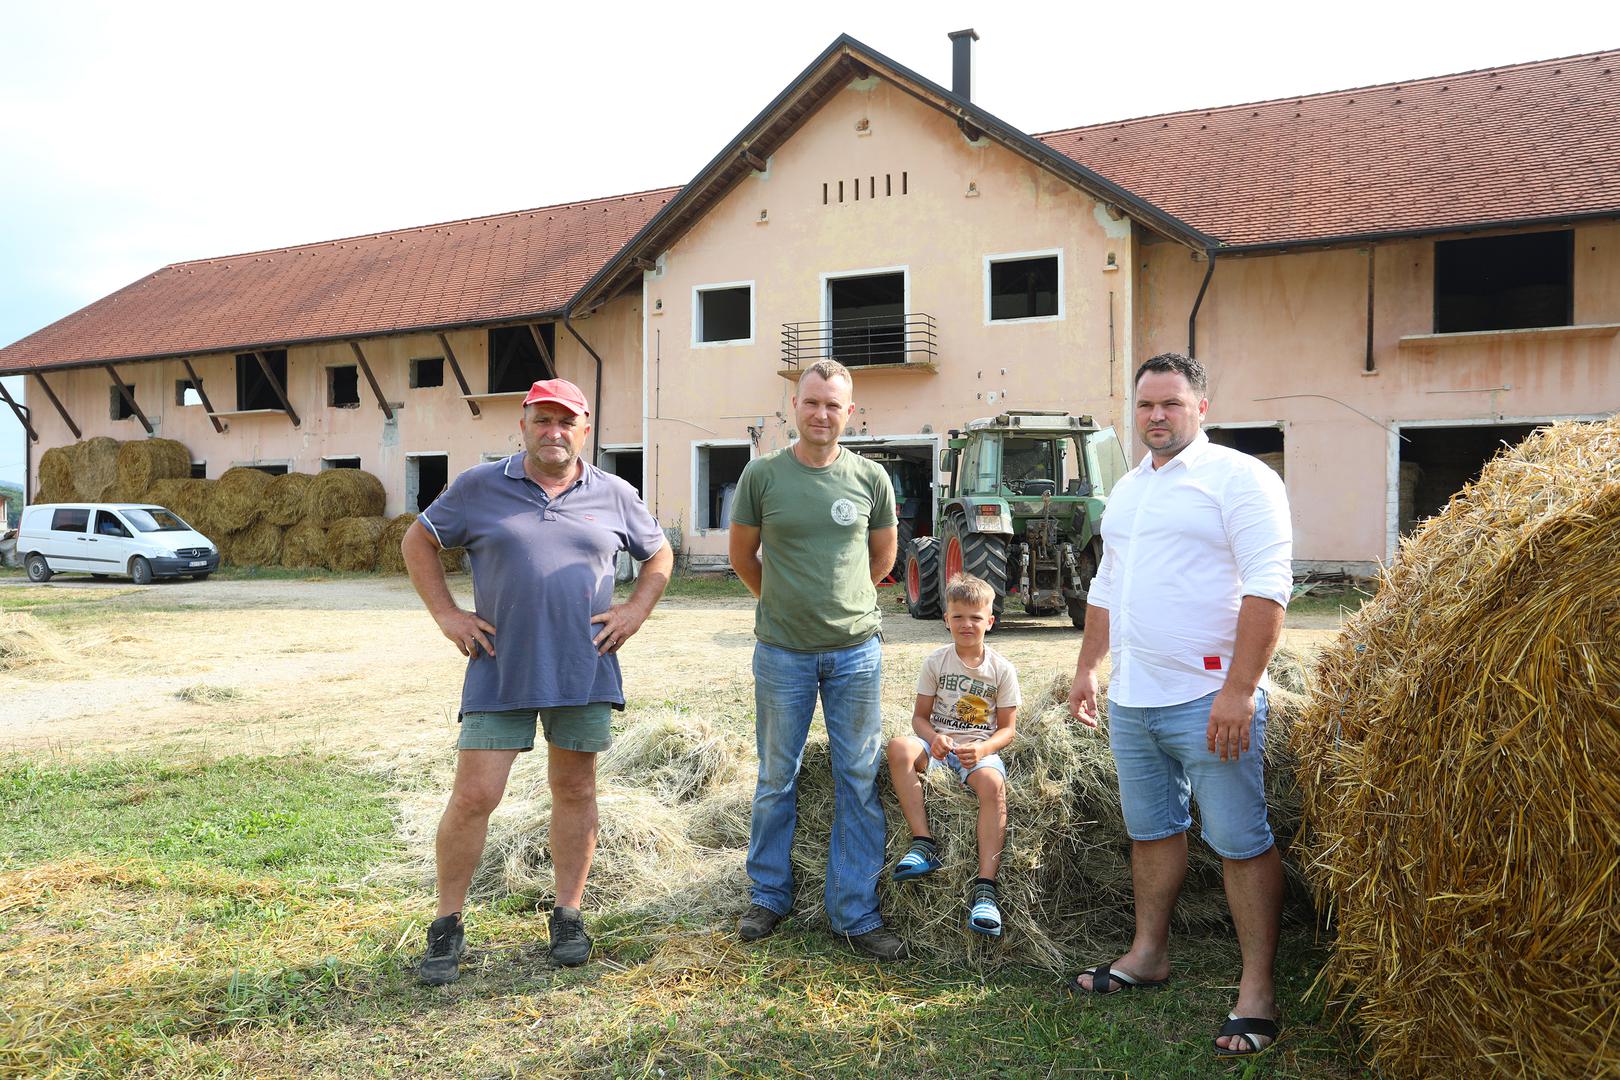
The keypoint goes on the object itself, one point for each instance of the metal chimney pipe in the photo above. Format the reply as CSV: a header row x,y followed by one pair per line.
x,y
962,62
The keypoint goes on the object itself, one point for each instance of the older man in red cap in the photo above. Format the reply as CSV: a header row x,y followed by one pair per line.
x,y
542,529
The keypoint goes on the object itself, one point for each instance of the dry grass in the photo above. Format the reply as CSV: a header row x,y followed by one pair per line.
x,y
1463,779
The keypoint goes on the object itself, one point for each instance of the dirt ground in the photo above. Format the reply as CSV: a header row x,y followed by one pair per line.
x,y
357,666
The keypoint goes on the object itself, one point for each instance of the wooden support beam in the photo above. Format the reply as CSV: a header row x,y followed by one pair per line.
x,y
22,415
275,384
545,353
66,419
644,264
751,159
360,358
191,373
455,369
129,397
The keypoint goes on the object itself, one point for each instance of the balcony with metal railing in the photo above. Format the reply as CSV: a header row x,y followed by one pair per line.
x,y
879,343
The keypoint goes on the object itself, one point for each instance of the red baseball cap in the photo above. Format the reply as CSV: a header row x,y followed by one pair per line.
x,y
559,392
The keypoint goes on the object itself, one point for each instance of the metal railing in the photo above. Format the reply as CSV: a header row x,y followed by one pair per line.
x,y
862,342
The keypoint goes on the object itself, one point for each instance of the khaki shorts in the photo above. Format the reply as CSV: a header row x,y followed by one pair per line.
x,y
585,728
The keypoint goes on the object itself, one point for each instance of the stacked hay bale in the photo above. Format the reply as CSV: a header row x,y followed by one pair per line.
x,y
1462,785
351,543
303,547
143,462
232,517
284,499
56,476
390,560
341,493
95,468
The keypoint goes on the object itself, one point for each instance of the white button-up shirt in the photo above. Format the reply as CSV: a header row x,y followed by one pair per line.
x,y
1182,546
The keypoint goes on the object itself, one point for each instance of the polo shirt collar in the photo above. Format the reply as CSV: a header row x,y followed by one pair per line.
x,y
514,470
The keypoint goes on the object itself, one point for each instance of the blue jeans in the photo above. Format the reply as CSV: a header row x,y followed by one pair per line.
x,y
1162,755
785,687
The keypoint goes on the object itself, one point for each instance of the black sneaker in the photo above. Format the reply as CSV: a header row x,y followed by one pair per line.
x,y
757,922
447,944
880,944
570,945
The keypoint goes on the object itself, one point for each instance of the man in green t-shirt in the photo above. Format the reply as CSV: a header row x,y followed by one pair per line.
x,y
825,518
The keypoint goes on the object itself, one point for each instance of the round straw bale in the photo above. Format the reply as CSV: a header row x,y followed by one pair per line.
x,y
342,493
391,560
191,500
284,498
257,545
1463,777
237,499
56,475
351,543
95,468
143,462
303,547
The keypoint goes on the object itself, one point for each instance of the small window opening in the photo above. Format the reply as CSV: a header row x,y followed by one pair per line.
x,y
427,371
515,363
425,477
1504,282
199,470
626,465
719,469
725,314
118,407
1024,288
253,390
343,387
187,393
338,463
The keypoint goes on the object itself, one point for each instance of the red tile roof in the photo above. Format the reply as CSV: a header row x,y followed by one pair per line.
x,y
486,269
1528,141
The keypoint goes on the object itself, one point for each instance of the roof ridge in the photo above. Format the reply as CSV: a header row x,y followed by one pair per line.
x,y
1525,65
377,234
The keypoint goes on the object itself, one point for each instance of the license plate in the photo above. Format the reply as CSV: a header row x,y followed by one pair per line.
x,y
199,562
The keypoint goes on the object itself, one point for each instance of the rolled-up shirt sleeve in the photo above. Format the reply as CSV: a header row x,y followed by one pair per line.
x,y
1261,534
446,517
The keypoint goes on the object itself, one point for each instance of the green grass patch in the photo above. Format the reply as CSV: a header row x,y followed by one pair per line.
x,y
297,817
696,587
1328,599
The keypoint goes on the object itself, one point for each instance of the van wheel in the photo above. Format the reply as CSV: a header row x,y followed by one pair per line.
x,y
38,569
140,571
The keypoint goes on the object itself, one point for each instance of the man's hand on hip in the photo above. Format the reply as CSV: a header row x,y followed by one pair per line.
x,y
468,631
619,622
1083,699
1231,718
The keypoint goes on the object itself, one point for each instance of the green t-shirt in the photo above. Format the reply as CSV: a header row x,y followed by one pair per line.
x,y
816,592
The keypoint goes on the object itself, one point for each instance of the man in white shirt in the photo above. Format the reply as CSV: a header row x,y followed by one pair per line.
x,y
1195,578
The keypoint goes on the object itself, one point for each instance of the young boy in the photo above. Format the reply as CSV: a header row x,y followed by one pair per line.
x,y
966,711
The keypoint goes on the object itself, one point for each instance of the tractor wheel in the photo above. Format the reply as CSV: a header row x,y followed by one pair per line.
x,y
922,578
980,554
905,533
1088,570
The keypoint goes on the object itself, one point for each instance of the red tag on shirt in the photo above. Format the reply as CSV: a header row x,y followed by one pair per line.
x,y
1212,663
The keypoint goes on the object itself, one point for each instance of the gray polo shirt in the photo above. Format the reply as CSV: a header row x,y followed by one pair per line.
x,y
541,567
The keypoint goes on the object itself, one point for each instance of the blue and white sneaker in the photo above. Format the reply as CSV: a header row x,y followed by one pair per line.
x,y
921,860
984,914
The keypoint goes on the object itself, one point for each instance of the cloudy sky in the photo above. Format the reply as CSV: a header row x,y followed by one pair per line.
x,y
136,135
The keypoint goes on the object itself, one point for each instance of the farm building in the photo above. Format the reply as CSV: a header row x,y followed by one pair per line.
x,y
1386,284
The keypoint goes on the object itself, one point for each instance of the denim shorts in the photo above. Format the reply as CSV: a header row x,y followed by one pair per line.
x,y
585,728
1163,755
992,762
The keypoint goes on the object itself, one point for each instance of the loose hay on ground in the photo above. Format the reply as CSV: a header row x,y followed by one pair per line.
x,y
673,753
342,493
351,543
1462,779
284,498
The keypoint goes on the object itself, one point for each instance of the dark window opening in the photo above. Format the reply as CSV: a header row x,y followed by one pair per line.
x,y
1438,462
187,392
426,372
1265,443
253,390
425,477
70,520
272,470
726,314
338,463
868,319
1024,288
343,387
1504,282
199,470
719,469
515,363
118,406
626,465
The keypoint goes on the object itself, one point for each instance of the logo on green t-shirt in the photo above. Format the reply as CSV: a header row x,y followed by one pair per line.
x,y
843,512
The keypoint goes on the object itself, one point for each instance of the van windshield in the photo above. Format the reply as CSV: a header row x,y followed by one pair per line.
x,y
155,521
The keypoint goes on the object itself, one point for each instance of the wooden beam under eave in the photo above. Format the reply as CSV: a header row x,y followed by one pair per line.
x,y
66,419
275,384
22,417
365,368
197,385
545,353
455,369
751,159
129,398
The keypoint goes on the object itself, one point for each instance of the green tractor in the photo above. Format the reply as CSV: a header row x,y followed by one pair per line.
x,y
1023,511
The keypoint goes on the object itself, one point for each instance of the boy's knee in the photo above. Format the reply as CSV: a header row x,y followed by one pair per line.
x,y
989,784
902,751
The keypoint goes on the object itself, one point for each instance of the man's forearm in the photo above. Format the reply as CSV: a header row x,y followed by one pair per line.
x,y
1094,643
1259,628
652,581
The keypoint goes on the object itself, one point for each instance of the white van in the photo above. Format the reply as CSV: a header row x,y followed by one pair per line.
x,y
137,539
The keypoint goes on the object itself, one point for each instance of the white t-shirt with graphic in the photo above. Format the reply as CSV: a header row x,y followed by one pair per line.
x,y
966,699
